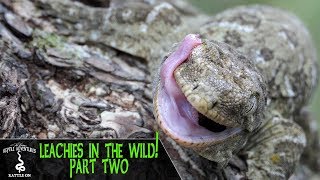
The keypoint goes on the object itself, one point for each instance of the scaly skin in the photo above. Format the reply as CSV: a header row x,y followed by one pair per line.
x,y
226,84
258,71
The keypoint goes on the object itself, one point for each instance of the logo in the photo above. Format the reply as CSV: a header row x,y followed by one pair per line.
x,y
19,149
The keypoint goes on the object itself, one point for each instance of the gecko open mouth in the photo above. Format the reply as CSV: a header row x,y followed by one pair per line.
x,y
175,115
209,124
182,122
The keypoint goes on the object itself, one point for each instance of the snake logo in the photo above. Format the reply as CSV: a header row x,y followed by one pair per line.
x,y
20,166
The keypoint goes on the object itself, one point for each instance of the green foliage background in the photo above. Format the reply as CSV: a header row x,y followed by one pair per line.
x,y
308,11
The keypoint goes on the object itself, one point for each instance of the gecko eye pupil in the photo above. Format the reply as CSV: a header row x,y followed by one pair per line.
x,y
252,106
210,124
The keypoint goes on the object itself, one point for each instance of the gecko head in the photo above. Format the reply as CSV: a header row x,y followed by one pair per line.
x,y
208,97
223,86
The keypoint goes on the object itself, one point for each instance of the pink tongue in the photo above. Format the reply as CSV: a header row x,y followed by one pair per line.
x,y
178,57
178,100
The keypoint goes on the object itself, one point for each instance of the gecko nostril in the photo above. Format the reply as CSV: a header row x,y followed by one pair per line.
x,y
195,87
212,105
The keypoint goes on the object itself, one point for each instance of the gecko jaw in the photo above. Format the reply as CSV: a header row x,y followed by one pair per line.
x,y
179,120
175,115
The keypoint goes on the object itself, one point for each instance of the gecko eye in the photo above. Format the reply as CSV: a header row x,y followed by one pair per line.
x,y
251,107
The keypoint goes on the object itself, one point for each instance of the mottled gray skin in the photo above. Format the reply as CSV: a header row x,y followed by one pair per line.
x,y
280,46
282,50
258,72
272,46
228,86
223,85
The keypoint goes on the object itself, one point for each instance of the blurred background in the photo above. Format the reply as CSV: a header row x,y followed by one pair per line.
x,y
308,11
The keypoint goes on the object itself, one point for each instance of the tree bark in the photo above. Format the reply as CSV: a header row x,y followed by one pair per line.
x,y
57,81
53,86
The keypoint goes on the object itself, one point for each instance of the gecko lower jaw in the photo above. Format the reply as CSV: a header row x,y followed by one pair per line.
x,y
180,121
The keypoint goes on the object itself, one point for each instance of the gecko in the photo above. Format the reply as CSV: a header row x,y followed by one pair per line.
x,y
239,82
239,89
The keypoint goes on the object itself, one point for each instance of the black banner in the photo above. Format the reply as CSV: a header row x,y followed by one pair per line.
x,y
85,159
